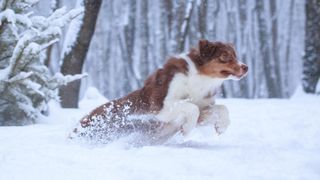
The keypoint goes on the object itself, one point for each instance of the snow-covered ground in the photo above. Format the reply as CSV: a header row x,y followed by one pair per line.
x,y
267,139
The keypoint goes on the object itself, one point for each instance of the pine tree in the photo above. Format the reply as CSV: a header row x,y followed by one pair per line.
x,y
26,85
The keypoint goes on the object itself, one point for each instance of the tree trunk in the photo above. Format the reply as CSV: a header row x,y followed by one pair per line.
x,y
178,19
164,35
288,71
168,9
127,47
185,26
275,47
144,39
202,18
74,59
243,84
311,64
272,84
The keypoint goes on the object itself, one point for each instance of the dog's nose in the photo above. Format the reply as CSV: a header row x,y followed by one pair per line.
x,y
244,67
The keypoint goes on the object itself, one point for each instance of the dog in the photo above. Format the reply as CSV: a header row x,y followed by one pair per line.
x,y
175,98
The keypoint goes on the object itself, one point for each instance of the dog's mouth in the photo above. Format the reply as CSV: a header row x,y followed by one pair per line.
x,y
226,73
234,76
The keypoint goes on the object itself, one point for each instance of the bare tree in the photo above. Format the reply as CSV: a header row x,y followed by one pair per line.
x,y
144,38
288,48
126,42
273,88
242,5
74,59
185,26
168,12
165,13
311,64
202,9
275,47
178,9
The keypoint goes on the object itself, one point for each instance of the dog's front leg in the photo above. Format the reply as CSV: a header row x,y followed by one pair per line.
x,y
218,115
190,113
182,115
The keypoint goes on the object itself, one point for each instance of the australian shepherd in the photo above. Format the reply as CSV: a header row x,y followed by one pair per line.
x,y
175,98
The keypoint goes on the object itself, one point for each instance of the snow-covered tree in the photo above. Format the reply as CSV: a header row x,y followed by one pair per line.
x,y
311,64
75,49
26,86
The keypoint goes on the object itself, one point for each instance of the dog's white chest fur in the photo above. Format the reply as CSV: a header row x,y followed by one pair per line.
x,y
201,89
193,87
187,94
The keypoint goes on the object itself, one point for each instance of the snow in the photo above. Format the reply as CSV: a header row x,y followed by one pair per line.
x,y
12,18
267,139
8,15
91,99
61,16
20,76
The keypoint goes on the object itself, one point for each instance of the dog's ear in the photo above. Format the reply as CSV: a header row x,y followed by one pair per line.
x,y
203,47
207,49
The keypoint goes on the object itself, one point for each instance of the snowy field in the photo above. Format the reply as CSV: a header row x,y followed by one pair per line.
x,y
267,139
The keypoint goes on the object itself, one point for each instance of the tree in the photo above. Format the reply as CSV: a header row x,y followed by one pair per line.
x,y
311,64
127,47
185,26
144,39
26,85
288,48
268,62
202,9
275,47
242,7
80,33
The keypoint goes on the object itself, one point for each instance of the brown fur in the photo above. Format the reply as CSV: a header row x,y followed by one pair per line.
x,y
147,100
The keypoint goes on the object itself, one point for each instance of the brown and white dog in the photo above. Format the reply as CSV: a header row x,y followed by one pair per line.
x,y
176,98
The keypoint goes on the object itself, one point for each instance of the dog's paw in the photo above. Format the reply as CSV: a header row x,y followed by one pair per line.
x,y
222,120
221,126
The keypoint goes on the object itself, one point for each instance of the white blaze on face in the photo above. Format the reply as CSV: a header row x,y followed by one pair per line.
x,y
233,77
237,78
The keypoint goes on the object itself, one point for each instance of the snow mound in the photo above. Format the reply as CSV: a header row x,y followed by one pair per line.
x,y
299,94
91,99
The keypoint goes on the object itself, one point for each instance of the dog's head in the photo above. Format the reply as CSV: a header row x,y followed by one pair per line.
x,y
218,60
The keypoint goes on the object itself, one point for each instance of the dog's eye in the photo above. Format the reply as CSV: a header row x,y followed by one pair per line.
x,y
222,61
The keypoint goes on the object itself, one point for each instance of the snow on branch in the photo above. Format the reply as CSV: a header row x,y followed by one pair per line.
x,y
20,76
60,79
73,31
11,17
